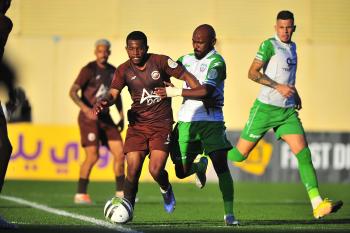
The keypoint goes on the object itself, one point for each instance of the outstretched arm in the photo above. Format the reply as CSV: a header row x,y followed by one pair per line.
x,y
189,78
255,75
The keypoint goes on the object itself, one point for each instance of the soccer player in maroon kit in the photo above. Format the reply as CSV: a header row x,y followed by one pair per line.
x,y
94,80
150,117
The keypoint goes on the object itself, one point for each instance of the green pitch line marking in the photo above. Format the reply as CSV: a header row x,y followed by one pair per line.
x,y
64,213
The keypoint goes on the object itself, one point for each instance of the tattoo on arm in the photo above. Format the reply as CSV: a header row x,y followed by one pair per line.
x,y
257,76
75,97
264,80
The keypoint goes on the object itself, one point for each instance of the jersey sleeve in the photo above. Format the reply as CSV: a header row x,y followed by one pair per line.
x,y
171,67
266,51
180,59
118,81
83,77
216,72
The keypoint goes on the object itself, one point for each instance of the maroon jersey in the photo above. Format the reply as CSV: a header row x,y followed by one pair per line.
x,y
147,107
94,82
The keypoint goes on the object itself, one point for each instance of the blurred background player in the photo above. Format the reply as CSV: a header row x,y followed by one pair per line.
x,y
201,127
150,118
276,108
5,144
93,81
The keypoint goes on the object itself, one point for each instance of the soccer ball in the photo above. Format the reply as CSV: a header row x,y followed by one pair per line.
x,y
118,210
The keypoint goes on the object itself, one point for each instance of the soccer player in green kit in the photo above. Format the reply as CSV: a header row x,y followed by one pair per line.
x,y
201,127
276,107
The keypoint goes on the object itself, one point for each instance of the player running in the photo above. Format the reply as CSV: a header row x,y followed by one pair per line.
x,y
150,117
276,108
93,81
201,128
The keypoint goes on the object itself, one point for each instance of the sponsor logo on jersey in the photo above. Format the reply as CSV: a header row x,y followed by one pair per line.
x,y
101,92
98,77
149,97
254,136
291,63
203,67
172,64
155,75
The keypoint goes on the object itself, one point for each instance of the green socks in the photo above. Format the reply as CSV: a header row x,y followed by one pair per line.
x,y
307,172
226,188
235,156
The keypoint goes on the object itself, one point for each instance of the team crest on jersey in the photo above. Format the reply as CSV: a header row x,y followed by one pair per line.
x,y
172,64
155,75
203,67
98,77
149,98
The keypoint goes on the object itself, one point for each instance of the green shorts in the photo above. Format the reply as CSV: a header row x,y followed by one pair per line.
x,y
264,117
190,139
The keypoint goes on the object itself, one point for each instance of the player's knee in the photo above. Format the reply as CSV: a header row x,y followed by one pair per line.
x,y
154,171
132,173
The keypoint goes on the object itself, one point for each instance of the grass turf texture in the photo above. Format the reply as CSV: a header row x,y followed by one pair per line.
x,y
260,207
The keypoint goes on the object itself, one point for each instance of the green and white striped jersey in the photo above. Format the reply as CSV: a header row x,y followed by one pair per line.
x,y
281,66
210,70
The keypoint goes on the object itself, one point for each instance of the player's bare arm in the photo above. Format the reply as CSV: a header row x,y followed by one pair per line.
x,y
107,101
189,78
73,93
255,75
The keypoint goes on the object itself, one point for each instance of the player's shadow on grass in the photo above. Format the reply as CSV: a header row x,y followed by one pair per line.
x,y
294,222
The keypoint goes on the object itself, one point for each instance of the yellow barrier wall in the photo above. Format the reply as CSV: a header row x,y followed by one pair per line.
x,y
48,152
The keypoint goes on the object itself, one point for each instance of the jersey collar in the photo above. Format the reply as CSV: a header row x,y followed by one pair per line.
x,y
206,56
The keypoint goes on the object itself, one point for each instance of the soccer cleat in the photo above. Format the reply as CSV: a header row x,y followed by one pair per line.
x,y
230,220
201,178
169,200
82,198
326,207
6,225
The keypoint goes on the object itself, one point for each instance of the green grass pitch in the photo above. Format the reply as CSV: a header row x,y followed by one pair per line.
x,y
260,207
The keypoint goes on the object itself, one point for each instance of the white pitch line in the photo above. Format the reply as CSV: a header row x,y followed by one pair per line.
x,y
68,214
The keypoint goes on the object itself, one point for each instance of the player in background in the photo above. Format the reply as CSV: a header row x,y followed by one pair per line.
x,y
5,144
276,108
201,127
150,117
93,81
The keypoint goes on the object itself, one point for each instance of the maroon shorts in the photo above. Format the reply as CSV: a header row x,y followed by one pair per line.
x,y
94,132
141,137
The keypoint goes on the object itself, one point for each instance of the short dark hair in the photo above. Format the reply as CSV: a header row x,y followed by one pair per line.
x,y
285,15
137,35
